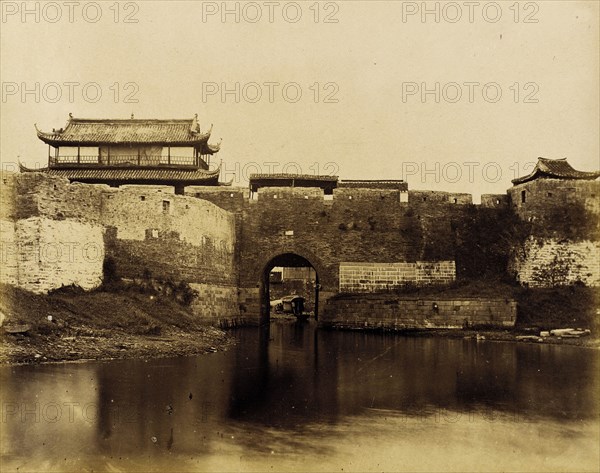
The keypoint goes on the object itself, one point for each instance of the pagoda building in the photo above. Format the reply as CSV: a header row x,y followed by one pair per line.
x,y
131,151
556,169
552,184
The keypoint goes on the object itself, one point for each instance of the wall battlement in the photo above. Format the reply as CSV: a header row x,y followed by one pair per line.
x,y
223,242
50,226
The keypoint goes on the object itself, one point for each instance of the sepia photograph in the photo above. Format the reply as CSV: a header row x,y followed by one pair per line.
x,y
300,236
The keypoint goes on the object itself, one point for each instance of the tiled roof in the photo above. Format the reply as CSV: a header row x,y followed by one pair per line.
x,y
90,132
299,177
555,169
375,184
131,174
327,183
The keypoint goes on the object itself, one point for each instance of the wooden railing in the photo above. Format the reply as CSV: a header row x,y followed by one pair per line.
x,y
134,160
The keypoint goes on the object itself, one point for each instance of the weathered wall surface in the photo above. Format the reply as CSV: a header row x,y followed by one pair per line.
x,y
171,236
222,242
543,197
56,224
379,277
359,225
405,313
55,253
9,262
564,243
494,200
216,304
39,195
550,263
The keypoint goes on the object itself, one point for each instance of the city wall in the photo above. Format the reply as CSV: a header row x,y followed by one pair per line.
x,y
56,234
403,313
564,243
224,243
551,263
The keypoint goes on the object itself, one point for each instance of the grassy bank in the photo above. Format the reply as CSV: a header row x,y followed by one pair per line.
x,y
149,320
100,325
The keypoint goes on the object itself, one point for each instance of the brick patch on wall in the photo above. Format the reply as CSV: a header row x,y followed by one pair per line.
x,y
381,277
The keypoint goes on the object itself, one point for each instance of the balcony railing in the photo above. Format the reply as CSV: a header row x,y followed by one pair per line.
x,y
132,160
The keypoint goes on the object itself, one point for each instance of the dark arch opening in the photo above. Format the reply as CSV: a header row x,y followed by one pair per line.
x,y
284,260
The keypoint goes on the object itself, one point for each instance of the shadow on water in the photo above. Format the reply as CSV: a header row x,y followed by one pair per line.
x,y
285,385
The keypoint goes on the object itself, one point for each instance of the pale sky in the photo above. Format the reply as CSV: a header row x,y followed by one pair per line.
x,y
361,113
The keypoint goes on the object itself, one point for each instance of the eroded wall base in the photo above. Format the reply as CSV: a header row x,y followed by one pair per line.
x,y
398,313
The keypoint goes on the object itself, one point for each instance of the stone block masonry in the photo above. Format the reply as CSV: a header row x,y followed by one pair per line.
x,y
216,304
381,277
539,199
39,254
9,257
402,313
56,234
550,263
224,242
171,236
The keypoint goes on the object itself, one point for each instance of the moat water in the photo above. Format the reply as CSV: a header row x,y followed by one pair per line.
x,y
298,399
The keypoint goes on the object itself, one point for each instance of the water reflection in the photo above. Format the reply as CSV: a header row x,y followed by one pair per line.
x,y
293,391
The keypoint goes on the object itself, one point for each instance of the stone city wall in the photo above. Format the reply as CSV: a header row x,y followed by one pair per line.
x,y
402,313
379,277
551,263
55,234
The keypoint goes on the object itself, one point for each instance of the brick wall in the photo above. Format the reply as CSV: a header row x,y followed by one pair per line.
x,y
172,236
544,196
46,254
146,227
549,262
494,200
359,224
397,313
378,277
9,257
564,246
217,304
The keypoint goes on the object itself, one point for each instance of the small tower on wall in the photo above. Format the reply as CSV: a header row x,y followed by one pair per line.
x,y
554,183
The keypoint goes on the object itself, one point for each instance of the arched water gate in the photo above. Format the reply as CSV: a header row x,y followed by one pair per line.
x,y
287,259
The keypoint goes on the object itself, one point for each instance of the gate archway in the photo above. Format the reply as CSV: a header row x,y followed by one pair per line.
x,y
285,260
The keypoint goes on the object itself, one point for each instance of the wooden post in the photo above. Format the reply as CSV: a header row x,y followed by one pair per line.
x,y
168,155
49,157
78,155
108,155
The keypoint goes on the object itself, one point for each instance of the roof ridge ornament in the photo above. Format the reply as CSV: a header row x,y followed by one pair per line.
x,y
555,169
195,126
135,131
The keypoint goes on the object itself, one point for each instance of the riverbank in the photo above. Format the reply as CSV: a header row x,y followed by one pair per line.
x,y
516,336
74,325
71,325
